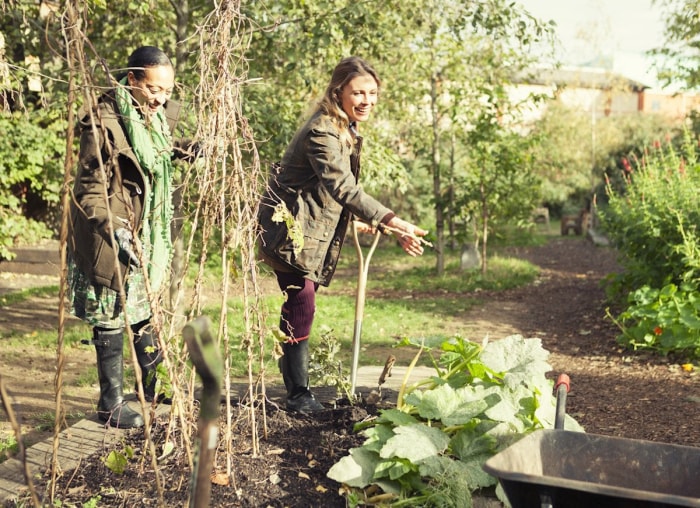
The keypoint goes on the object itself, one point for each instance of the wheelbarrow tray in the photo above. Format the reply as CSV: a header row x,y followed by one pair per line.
x,y
575,469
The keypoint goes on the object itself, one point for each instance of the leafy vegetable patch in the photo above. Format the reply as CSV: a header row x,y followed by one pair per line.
x,y
430,449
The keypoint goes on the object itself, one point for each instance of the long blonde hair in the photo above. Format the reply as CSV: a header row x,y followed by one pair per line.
x,y
348,69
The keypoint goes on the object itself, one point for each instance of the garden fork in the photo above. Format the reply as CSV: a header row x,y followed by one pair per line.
x,y
363,262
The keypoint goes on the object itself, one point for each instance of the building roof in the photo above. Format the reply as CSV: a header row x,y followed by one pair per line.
x,y
580,77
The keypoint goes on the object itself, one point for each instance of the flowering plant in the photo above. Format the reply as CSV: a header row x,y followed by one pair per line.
x,y
653,222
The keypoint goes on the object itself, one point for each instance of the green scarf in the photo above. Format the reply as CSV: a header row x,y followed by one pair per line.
x,y
153,146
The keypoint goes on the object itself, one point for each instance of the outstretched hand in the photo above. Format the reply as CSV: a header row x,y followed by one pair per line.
x,y
408,235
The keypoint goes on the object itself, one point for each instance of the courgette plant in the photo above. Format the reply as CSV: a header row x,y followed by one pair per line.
x,y
429,450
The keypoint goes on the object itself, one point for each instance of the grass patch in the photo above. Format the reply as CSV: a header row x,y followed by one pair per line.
x,y
8,447
514,236
46,420
87,378
391,270
385,322
405,299
16,297
46,339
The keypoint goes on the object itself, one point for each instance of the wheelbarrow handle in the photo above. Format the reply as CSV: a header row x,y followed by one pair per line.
x,y
563,380
562,388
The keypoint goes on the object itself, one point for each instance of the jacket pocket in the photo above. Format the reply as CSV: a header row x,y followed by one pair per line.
x,y
103,260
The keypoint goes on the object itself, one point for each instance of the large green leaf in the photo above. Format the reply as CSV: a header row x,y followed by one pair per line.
x,y
377,436
356,469
415,442
468,443
447,404
523,361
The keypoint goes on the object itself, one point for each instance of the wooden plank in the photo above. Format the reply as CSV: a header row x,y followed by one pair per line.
x,y
78,442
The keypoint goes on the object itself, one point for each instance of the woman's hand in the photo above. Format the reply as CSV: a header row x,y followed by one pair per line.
x,y
363,227
408,236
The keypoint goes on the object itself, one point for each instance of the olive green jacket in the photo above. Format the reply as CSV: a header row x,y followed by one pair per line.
x,y
317,181
91,235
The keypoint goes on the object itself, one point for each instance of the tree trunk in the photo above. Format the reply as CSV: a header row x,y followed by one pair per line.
x,y
451,212
182,15
439,213
484,229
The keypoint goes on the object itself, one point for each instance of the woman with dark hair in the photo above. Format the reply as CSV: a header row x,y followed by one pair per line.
x,y
120,216
317,183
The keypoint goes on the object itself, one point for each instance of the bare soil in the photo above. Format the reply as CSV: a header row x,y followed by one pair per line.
x,y
614,392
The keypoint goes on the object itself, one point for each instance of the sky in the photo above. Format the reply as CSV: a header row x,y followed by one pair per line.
x,y
622,30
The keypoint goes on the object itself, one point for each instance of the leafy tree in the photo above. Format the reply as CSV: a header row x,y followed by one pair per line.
x,y
574,152
678,59
33,80
460,58
444,62
501,185
28,176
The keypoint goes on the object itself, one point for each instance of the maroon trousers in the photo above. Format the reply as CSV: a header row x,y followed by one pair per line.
x,y
297,315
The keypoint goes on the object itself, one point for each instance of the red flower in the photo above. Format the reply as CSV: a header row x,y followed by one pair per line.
x,y
626,165
658,330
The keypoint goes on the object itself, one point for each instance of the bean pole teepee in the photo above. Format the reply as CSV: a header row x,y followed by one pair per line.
x,y
220,196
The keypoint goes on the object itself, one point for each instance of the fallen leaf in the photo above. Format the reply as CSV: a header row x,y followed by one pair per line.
x,y
304,475
321,489
168,448
219,479
76,490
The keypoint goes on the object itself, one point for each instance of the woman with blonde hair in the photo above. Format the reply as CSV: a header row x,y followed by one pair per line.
x,y
317,181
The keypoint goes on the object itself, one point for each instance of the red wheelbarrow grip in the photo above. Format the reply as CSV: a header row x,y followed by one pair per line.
x,y
564,380
561,388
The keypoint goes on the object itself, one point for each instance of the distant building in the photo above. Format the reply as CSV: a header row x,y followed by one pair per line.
x,y
598,91
674,105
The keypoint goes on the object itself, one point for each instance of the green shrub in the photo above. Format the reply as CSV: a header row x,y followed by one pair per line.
x,y
653,223
32,152
665,320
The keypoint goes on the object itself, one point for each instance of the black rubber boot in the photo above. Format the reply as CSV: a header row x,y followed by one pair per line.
x,y
112,408
149,358
294,366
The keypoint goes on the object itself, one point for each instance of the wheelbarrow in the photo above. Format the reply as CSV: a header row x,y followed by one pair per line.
x,y
564,469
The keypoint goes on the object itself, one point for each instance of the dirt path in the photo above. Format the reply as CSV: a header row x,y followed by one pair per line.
x,y
614,392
